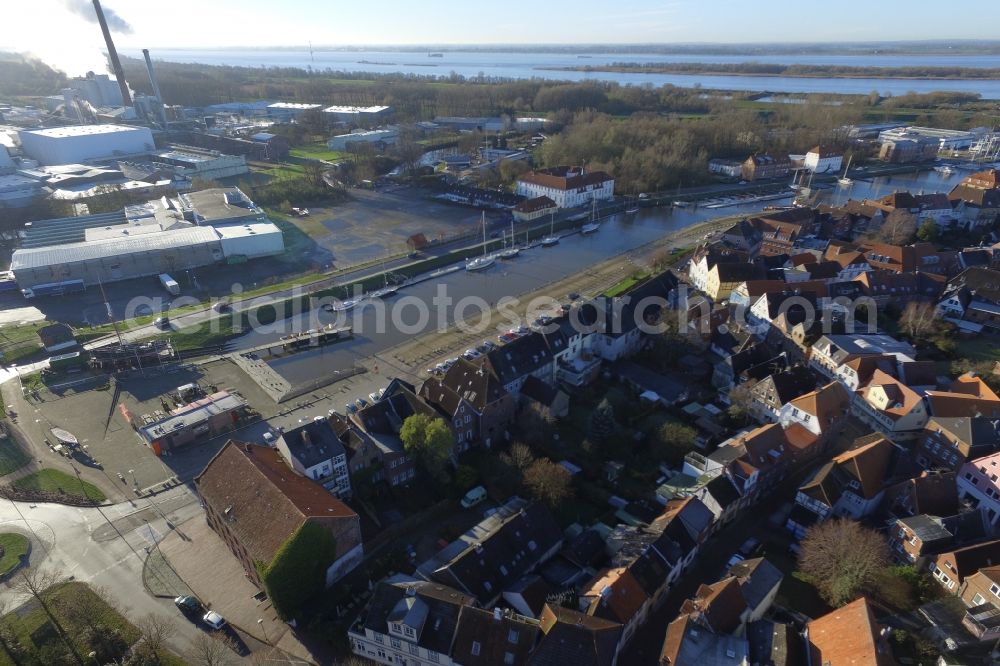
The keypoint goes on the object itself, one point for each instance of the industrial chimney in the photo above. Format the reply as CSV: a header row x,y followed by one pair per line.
x,y
116,64
155,85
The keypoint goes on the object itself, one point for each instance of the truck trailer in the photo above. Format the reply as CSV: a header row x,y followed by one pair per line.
x,y
170,284
54,289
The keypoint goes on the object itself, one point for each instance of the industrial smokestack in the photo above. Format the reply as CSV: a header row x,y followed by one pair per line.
x,y
156,86
116,64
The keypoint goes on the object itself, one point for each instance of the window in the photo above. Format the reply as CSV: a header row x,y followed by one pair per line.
x,y
395,643
508,658
512,636
414,649
379,638
409,631
475,648
432,656
468,419
995,589
978,599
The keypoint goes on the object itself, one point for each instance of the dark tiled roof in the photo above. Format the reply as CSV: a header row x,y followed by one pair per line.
x,y
464,381
263,500
570,637
537,390
483,639
504,556
757,577
518,358
443,607
313,443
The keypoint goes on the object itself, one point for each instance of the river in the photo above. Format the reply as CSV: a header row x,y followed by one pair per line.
x,y
540,266
522,65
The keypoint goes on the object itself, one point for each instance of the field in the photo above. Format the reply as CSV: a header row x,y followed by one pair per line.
x,y
317,151
982,348
15,546
54,481
32,629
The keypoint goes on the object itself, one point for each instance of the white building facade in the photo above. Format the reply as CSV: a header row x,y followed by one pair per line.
x,y
568,187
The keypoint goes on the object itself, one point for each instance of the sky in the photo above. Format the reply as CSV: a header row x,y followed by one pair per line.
x,y
64,34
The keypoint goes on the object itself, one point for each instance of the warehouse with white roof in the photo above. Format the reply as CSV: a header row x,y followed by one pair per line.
x,y
80,143
163,236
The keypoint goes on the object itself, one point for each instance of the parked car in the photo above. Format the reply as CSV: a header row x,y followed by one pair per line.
x,y
573,296
474,497
214,620
351,408
486,347
734,560
162,323
189,605
471,354
375,396
361,403
222,306
750,548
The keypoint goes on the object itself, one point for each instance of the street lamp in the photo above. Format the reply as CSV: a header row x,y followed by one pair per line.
x,y
260,622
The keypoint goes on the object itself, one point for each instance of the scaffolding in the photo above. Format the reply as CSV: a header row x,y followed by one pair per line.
x,y
129,356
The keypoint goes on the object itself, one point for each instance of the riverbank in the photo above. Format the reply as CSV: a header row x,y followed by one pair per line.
x,y
793,71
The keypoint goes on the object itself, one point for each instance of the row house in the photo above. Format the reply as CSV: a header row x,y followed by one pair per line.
x,y
884,287
948,442
925,257
851,486
771,393
978,485
829,352
817,415
706,258
973,296
890,407
314,451
935,207
976,199
968,396
764,166
981,594
848,635
567,186
952,567
915,538
473,402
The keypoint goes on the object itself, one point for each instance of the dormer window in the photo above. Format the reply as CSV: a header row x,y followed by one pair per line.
x,y
476,648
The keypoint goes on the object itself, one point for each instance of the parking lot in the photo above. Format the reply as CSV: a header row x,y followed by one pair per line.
x,y
377,224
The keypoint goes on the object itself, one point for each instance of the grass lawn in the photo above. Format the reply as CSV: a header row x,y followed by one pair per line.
x,y
54,481
625,285
317,151
207,334
21,341
32,628
982,348
14,546
12,456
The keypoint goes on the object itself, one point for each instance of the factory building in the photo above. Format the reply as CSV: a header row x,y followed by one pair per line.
x,y
6,163
195,422
18,191
191,163
356,114
380,136
97,89
80,143
947,139
288,111
162,236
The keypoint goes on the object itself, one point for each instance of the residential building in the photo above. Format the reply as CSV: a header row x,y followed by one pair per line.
x,y
967,396
687,642
763,166
981,593
567,186
890,407
723,167
546,401
951,568
535,208
906,151
818,412
823,159
314,451
947,442
56,337
832,351
571,637
617,596
916,537
256,504
851,485
771,393
977,198
979,485
973,295
723,277
496,552
848,636
473,402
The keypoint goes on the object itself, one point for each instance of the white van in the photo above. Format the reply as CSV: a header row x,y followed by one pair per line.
x,y
474,497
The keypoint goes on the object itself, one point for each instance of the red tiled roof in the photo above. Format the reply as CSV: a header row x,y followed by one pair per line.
x,y
848,636
564,178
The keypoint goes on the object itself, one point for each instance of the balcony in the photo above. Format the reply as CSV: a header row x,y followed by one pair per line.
x,y
578,371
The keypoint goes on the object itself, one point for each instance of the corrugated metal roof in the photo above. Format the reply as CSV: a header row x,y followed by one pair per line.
x,y
113,247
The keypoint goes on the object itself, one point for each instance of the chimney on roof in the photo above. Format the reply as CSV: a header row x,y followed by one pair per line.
x,y
497,614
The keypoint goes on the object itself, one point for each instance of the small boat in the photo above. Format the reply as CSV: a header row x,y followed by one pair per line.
x,y
65,437
682,204
946,170
551,239
485,261
513,250
593,225
349,304
844,180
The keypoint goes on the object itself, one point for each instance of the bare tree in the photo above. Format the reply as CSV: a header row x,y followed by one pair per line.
x,y
8,640
210,650
156,631
898,228
35,583
842,558
918,320
548,482
519,456
86,611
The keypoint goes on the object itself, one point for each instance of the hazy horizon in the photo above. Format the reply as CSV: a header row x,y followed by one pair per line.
x,y
64,33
